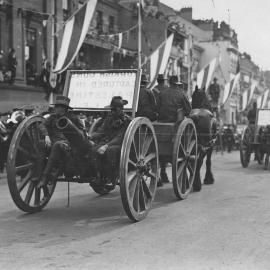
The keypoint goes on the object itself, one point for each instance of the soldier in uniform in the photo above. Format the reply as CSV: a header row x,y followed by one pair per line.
x,y
60,153
214,92
148,103
173,102
174,105
252,114
107,142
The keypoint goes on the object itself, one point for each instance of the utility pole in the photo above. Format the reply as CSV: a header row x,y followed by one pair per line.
x,y
139,35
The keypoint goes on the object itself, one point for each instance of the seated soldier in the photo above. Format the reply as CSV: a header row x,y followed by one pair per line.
x,y
60,153
148,103
172,101
108,142
173,106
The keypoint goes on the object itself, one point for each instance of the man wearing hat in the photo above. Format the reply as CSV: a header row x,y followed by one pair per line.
x,y
107,141
173,100
214,92
148,104
60,150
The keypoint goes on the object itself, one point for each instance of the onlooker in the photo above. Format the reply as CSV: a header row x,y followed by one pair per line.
x,y
1,66
12,65
252,114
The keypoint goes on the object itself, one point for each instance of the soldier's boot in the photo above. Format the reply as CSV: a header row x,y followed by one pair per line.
x,y
46,175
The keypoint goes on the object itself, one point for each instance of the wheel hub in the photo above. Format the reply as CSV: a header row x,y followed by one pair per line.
x,y
142,167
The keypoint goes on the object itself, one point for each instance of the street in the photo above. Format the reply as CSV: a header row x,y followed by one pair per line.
x,y
225,226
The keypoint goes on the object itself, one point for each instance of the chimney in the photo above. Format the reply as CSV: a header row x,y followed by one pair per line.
x,y
186,13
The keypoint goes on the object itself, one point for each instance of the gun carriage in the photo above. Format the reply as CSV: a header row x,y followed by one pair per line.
x,y
143,143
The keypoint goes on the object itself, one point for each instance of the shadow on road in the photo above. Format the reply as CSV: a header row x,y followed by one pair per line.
x,y
88,215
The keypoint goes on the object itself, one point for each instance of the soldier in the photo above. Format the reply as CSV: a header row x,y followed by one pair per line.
x,y
148,104
214,92
252,114
173,102
60,153
107,142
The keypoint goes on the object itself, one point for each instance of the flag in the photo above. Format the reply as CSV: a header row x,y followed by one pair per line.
x,y
204,77
229,87
265,98
150,7
259,101
253,86
244,100
159,60
154,32
75,31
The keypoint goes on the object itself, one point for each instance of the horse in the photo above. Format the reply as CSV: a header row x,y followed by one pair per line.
x,y
206,127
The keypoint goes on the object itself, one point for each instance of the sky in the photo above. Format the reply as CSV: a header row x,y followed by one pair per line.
x,y
249,18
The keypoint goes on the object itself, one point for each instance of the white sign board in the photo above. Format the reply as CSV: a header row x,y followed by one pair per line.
x,y
263,118
95,89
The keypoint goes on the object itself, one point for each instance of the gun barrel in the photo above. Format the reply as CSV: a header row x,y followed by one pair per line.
x,y
75,136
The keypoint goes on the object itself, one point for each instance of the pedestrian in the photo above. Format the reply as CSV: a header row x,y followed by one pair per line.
x,y
1,66
12,65
214,92
252,114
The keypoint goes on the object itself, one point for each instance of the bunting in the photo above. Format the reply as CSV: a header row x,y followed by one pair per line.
x,y
265,99
229,87
75,31
204,77
159,60
253,86
244,100
259,102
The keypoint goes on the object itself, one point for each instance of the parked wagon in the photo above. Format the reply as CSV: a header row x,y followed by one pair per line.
x,y
143,143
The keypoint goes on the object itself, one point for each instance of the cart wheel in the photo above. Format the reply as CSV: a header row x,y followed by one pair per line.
x,y
139,168
184,160
26,161
245,151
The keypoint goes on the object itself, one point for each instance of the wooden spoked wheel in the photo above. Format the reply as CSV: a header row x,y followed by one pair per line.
x,y
245,147
26,161
139,168
184,160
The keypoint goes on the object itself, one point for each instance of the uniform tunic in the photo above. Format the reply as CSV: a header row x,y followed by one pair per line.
x,y
171,100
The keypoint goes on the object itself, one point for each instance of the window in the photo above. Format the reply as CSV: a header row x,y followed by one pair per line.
x,y
111,24
65,4
31,54
100,22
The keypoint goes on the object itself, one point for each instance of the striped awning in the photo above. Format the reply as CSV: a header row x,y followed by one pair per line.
x,y
75,31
